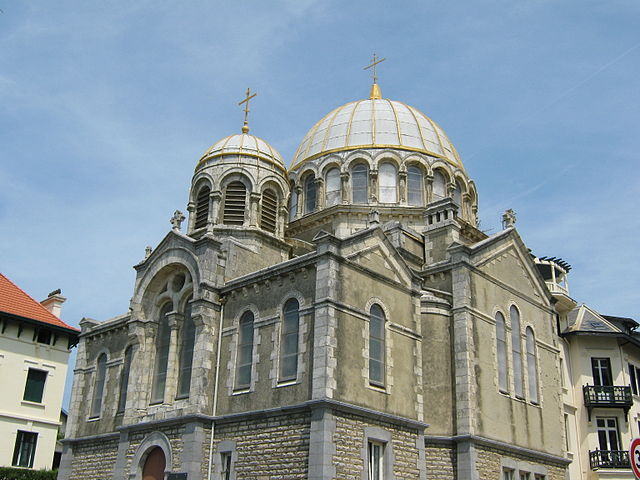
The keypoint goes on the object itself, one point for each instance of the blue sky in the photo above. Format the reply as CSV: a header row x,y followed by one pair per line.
x,y
105,108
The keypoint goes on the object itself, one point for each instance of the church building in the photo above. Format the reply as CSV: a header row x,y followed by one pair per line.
x,y
343,318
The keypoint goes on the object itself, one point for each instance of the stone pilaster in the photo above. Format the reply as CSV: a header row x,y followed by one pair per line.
x,y
214,213
322,446
254,203
176,320
346,187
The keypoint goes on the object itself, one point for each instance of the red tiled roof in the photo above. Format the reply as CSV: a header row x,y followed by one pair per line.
x,y
15,301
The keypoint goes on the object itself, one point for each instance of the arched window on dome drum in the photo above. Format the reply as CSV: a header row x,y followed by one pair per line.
x,y
376,345
414,186
124,379
457,195
269,211
289,340
293,204
187,344
98,388
516,351
532,369
244,360
388,183
334,193
439,186
310,194
235,201
163,339
360,183
501,348
202,207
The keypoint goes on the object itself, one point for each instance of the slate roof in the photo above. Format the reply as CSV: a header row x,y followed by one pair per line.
x,y
15,301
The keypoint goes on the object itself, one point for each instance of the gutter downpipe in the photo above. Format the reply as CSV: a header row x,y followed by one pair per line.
x,y
215,387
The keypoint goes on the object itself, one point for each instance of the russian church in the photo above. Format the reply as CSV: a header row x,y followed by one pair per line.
x,y
343,318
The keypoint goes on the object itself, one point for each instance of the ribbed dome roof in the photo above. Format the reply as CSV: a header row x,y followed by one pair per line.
x,y
245,145
376,123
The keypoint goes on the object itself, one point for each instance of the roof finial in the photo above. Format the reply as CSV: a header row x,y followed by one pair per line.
x,y
245,126
375,89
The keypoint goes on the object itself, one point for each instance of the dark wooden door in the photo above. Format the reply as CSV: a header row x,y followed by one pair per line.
x,y
154,465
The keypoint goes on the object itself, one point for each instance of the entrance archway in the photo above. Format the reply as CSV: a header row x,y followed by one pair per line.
x,y
154,465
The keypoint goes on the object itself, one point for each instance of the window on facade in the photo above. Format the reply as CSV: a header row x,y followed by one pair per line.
x,y
163,339
601,369
225,465
269,212
289,340
439,186
245,351
388,186
414,186
334,192
507,474
34,388
501,349
187,344
608,437
293,204
235,200
532,368
310,194
376,346
632,379
124,379
202,207
360,183
525,475
24,450
457,194
376,460
44,336
98,387
567,442
516,351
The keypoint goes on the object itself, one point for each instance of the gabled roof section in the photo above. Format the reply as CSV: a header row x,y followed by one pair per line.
x,y
585,320
15,301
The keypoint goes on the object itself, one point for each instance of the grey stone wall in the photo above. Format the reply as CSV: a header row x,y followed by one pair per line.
x,y
490,462
441,461
94,459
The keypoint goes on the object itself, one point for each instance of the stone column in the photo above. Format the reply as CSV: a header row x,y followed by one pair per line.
x,y
299,200
428,188
466,210
346,191
320,197
175,320
254,202
373,186
451,187
214,213
402,187
191,208
282,221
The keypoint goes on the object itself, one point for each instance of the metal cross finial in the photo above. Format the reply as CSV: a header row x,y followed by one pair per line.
x,y
372,65
245,127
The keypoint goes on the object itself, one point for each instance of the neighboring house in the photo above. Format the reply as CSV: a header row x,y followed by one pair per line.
x,y
34,351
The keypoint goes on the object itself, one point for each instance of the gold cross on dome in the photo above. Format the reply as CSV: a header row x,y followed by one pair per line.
x,y
372,65
245,127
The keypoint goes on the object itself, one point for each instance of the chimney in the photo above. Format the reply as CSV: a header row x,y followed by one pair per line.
x,y
54,302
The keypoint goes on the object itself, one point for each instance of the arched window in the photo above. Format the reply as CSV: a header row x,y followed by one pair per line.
x,y
516,351
310,194
235,201
289,340
187,344
388,183
439,186
163,339
457,195
360,183
269,212
414,186
244,360
124,379
98,388
376,346
202,207
334,193
532,369
293,203
501,347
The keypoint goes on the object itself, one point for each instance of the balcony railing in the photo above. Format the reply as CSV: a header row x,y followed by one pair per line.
x,y
609,459
607,396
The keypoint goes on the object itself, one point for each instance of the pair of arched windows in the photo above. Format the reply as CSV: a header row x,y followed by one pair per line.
x,y
100,381
289,339
516,356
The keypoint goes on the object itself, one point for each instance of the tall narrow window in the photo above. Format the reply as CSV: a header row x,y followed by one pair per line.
x,y
609,441
414,186
34,388
235,200
360,183
98,387
632,379
334,193
457,195
289,340
388,183
439,186
376,346
310,194
124,379
163,339
225,465
245,351
516,351
24,450
269,212
601,369
376,460
293,204
202,207
532,368
501,347
187,344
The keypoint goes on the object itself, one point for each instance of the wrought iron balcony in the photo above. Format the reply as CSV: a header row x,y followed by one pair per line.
x,y
607,396
609,459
